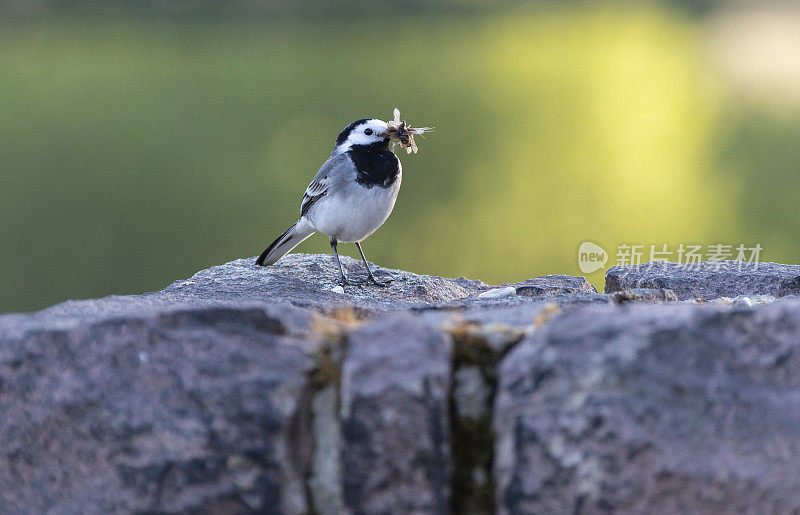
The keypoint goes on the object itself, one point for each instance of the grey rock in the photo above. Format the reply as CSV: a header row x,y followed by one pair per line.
x,y
545,285
277,317
552,285
744,300
309,281
478,305
496,293
643,295
471,393
517,311
153,412
249,389
326,470
652,409
207,395
708,279
395,392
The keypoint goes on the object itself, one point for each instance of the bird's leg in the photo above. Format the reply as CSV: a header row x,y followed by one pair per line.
x,y
369,272
342,278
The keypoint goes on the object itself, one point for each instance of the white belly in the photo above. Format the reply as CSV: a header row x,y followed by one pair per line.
x,y
355,212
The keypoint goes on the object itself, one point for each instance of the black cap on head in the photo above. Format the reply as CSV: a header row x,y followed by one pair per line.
x,y
347,130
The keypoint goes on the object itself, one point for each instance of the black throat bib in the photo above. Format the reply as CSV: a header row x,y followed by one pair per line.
x,y
376,165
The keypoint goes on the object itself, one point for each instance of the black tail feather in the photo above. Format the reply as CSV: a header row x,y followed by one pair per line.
x,y
278,240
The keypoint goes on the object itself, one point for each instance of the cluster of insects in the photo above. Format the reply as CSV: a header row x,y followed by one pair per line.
x,y
404,133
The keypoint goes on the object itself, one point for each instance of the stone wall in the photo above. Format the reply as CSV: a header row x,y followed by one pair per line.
x,y
246,389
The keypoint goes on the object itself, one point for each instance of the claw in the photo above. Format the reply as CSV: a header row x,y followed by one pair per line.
x,y
371,279
379,283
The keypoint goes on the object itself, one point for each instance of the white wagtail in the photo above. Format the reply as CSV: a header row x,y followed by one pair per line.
x,y
353,192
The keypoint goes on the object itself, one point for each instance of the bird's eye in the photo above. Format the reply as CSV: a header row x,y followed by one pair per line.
x,y
368,132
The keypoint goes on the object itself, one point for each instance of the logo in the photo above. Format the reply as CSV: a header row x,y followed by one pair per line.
x,y
591,257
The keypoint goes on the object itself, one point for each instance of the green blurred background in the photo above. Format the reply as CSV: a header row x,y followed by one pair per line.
x,y
138,146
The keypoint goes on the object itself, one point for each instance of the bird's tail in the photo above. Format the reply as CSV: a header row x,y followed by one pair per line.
x,y
291,238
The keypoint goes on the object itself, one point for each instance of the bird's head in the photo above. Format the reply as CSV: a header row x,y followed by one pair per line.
x,y
364,132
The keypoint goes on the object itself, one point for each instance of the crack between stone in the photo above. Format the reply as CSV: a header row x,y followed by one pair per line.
x,y
472,392
323,480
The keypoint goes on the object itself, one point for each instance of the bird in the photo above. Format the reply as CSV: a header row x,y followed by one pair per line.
x,y
350,197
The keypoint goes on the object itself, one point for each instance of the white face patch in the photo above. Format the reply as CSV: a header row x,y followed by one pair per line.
x,y
365,133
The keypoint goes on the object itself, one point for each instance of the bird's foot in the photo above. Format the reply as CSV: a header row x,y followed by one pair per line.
x,y
344,282
373,280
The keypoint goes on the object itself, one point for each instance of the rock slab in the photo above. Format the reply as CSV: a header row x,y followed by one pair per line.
x,y
653,409
178,411
708,279
395,393
247,390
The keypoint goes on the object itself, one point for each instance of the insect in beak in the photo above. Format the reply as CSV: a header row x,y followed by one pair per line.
x,y
403,133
